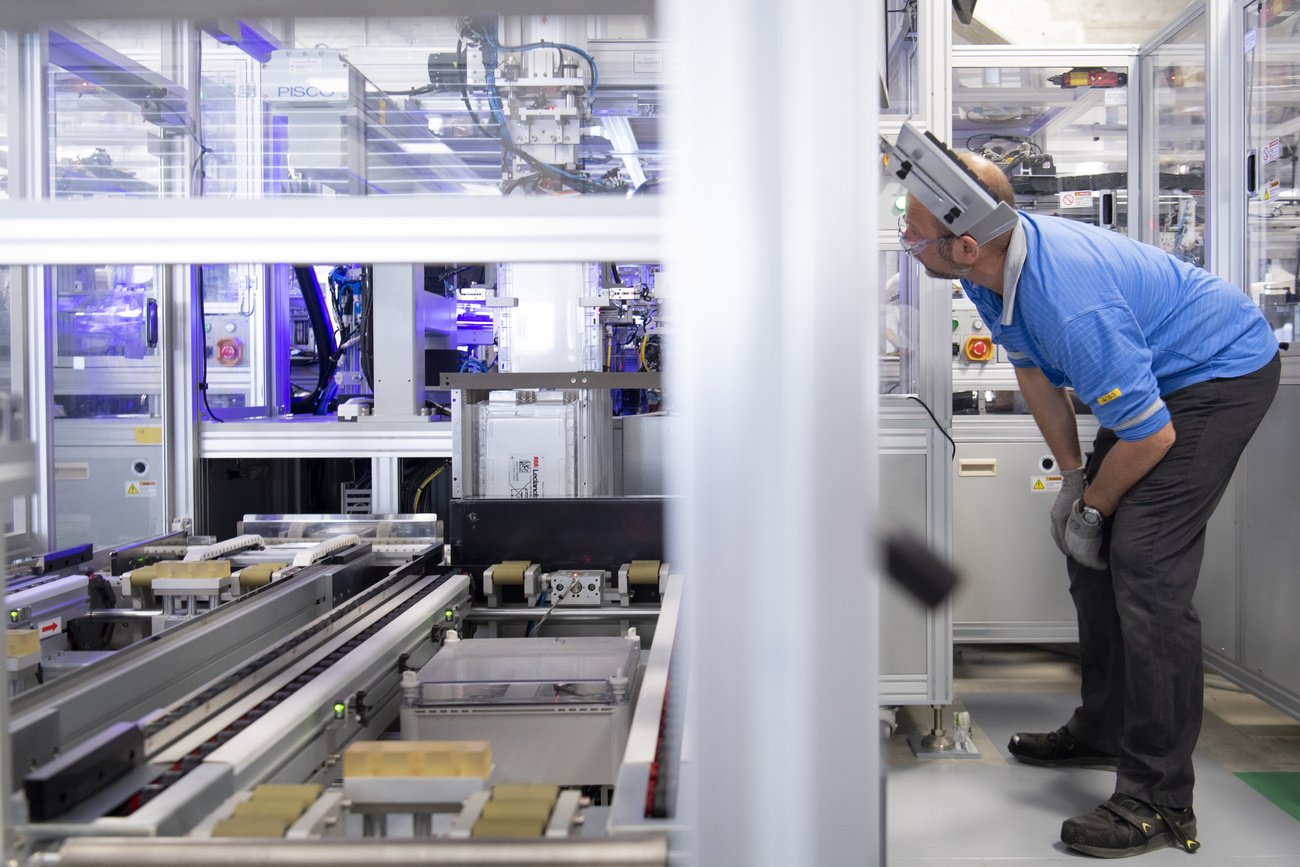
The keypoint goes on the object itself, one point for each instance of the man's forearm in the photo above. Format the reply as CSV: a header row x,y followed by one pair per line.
x,y
1054,414
1125,465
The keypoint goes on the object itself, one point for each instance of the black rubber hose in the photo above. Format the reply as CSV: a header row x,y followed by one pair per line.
x,y
322,331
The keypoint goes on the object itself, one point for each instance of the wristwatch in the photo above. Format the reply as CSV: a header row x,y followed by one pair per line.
x,y
1092,517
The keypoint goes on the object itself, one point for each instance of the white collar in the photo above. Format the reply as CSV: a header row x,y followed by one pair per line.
x,y
1017,250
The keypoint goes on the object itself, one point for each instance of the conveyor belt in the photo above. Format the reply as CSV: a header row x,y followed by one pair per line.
x,y
164,668
195,757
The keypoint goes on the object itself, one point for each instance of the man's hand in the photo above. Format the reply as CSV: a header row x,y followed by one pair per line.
x,y
1083,537
1072,484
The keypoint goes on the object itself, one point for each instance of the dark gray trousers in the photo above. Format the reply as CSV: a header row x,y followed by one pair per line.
x,y
1139,635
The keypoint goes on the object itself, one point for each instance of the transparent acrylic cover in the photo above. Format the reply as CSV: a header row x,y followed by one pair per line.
x,y
529,671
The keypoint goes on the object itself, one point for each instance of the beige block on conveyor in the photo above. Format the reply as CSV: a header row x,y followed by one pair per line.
x,y
251,826
143,577
23,642
526,792
193,569
510,571
643,572
485,827
278,808
532,810
305,793
418,759
259,575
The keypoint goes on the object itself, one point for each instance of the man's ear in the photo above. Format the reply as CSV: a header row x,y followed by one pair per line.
x,y
965,251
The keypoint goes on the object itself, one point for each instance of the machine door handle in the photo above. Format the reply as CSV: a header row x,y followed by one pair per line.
x,y
151,322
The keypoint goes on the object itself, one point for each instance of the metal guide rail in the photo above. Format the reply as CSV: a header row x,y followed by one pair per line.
x,y
245,727
132,681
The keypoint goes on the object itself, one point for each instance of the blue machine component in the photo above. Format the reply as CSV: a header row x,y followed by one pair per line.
x,y
251,39
161,101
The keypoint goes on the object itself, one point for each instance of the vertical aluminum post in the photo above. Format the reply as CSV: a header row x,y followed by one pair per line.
x,y
1225,145
776,454
399,342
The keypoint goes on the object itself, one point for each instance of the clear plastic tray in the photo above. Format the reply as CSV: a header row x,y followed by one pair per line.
x,y
528,671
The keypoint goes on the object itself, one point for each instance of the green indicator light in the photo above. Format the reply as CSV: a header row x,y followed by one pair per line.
x,y
340,710
900,204
207,326
955,323
450,614
13,616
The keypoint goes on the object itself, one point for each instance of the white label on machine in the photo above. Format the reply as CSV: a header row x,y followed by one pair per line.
x,y
1116,96
526,477
1250,41
1045,484
1272,151
46,628
141,488
647,62
1076,199
71,472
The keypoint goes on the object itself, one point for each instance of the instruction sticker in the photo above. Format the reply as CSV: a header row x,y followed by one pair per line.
x,y
141,488
46,628
526,477
1045,484
1076,199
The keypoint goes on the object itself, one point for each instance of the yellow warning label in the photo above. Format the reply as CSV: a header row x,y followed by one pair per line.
x,y
148,436
132,490
1108,397
1039,486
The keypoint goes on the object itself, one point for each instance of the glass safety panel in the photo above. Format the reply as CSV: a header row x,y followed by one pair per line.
x,y
119,124
1272,122
1175,73
4,120
107,425
1060,134
900,83
234,335
899,317
487,105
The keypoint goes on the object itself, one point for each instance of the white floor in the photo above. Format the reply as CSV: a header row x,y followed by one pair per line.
x,y
997,811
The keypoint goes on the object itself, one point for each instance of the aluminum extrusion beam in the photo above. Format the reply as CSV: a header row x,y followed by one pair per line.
x,y
641,851
323,438
628,809
29,14
561,615
377,230
558,381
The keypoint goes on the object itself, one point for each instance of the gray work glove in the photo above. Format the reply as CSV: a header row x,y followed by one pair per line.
x,y
1083,537
1072,485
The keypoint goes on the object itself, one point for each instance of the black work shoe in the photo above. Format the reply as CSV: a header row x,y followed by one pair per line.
x,y
1126,826
1058,749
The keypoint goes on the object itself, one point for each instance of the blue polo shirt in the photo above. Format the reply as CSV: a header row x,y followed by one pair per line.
x,y
1120,322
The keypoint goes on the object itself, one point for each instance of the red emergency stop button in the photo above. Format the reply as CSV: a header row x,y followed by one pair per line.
x,y
979,348
230,351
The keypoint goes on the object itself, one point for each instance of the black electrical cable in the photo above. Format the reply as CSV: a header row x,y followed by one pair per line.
x,y
203,375
936,423
367,326
322,331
